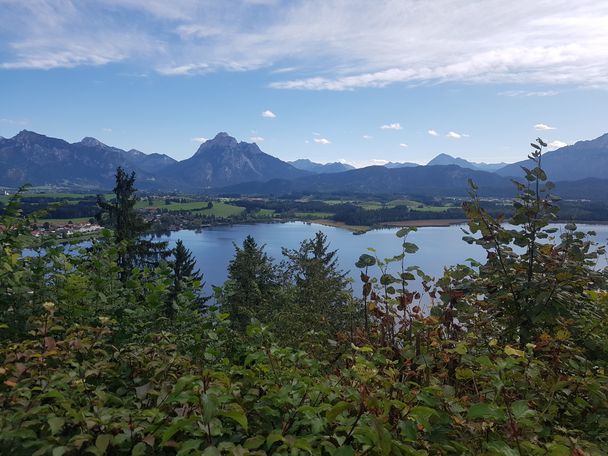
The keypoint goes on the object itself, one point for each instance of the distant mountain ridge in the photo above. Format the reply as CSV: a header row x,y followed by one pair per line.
x,y
445,159
392,165
224,164
582,160
320,168
224,161
37,159
420,180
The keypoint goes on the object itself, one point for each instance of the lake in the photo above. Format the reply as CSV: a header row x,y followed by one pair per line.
x,y
439,246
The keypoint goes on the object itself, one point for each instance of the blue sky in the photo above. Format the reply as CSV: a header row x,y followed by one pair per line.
x,y
359,81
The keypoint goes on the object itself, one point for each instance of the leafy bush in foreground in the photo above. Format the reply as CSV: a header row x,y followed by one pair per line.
x,y
71,391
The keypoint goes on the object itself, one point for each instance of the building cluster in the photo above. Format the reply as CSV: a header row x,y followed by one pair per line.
x,y
67,229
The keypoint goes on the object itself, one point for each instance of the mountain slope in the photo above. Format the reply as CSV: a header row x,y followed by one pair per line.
x,y
319,168
32,158
445,159
224,161
421,180
582,160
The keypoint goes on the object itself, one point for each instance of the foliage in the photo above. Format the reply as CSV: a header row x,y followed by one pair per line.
x,y
503,358
252,285
128,227
529,282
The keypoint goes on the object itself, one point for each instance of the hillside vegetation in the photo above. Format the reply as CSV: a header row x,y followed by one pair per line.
x,y
114,350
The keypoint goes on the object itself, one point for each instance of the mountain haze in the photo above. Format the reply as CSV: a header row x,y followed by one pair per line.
x,y
445,159
320,168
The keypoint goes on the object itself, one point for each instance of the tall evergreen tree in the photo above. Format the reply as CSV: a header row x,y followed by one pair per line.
x,y
251,285
128,226
320,294
185,278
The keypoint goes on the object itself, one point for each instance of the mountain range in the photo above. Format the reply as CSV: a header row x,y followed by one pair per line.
x,y
581,160
224,164
445,159
320,168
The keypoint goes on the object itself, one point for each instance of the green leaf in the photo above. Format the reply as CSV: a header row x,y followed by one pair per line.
x,y
139,449
56,424
102,442
188,446
338,408
410,247
464,373
236,413
60,450
253,443
274,437
501,448
344,451
521,411
211,451
513,352
486,412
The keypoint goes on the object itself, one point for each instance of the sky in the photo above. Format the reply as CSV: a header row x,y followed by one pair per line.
x,y
362,82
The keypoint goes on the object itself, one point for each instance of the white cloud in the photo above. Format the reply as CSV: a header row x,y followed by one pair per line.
x,y
543,127
433,133
403,145
455,135
268,114
322,141
256,139
556,144
199,139
392,126
528,93
367,137
341,45
106,130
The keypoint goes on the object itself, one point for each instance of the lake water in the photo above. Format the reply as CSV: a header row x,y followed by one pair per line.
x,y
439,246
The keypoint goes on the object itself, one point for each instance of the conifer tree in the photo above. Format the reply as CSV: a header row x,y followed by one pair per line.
x,y
320,286
184,278
128,226
252,281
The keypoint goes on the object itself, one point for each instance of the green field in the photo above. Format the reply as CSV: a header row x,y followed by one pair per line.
x,y
221,209
308,215
63,221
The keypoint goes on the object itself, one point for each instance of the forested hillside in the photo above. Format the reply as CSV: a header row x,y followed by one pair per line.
x,y
114,350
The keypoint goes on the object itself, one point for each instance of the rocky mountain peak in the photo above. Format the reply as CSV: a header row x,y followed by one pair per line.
x,y
92,142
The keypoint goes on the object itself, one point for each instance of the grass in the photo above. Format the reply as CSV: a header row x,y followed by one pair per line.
x,y
308,215
160,204
63,221
221,209
264,213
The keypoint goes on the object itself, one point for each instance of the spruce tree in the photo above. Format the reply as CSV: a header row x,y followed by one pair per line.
x,y
252,282
128,226
320,294
184,278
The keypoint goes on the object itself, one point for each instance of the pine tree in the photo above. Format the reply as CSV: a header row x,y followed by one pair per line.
x,y
252,282
128,226
185,278
320,290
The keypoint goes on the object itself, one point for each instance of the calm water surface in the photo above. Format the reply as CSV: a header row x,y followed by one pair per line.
x,y
439,246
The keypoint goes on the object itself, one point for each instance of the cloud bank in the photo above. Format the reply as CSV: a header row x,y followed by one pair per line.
x,y
340,45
